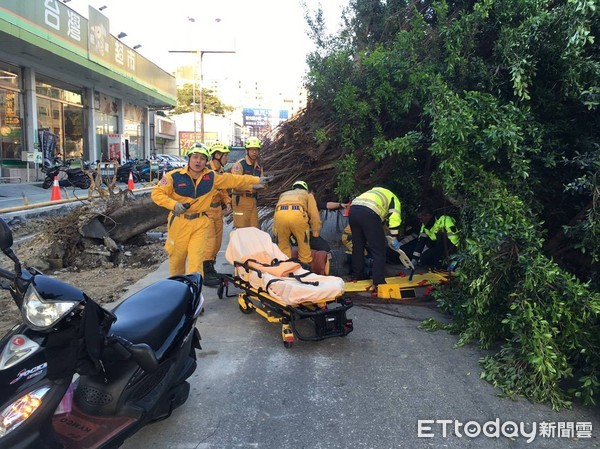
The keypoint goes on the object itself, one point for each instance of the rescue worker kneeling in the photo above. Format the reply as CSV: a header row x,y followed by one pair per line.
x,y
297,214
188,192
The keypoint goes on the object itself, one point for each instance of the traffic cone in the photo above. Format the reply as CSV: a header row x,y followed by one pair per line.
x,y
130,184
55,190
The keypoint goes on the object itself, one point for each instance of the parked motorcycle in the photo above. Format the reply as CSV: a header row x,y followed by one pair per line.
x,y
132,362
67,176
129,167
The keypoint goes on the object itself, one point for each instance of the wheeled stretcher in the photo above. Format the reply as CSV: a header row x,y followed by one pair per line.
x,y
308,306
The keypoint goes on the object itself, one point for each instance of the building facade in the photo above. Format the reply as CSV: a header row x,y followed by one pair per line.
x,y
68,86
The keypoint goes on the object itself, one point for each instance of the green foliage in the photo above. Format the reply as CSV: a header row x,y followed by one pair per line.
x,y
586,233
494,106
185,100
346,168
320,136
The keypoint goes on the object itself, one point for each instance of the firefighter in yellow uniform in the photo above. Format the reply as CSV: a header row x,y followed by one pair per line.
x,y
187,192
245,212
297,214
219,154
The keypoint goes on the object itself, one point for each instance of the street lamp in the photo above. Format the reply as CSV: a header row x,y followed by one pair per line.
x,y
201,104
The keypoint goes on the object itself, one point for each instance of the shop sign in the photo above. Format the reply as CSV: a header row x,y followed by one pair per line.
x,y
55,22
116,147
54,17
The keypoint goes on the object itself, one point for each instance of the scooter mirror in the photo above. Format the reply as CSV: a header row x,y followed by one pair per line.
x,y
6,237
144,356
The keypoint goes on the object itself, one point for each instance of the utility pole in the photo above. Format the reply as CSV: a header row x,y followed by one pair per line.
x,y
200,84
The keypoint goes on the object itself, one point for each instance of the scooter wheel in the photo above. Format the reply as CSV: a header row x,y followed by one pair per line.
x,y
288,344
220,289
83,183
47,183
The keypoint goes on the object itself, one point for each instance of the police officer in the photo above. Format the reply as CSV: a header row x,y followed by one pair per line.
x,y
219,153
188,192
369,213
297,214
245,212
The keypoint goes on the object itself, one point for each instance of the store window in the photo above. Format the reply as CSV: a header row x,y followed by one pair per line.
x,y
134,131
11,119
106,112
60,110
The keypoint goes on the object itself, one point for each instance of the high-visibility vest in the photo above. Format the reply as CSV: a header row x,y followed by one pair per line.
x,y
385,204
444,224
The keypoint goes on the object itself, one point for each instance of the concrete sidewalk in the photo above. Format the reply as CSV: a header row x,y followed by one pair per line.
x,y
24,198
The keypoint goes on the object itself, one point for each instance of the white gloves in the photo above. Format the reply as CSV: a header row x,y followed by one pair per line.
x,y
179,209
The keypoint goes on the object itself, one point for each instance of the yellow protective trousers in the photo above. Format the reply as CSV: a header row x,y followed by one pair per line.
x,y
186,240
245,213
215,232
293,222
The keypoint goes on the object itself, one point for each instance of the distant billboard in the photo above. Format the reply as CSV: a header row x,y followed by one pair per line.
x,y
256,116
189,138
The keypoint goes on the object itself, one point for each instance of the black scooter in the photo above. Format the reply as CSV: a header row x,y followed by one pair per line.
x,y
132,362
67,176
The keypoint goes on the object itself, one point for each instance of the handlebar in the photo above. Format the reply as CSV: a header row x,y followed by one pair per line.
x,y
143,354
12,256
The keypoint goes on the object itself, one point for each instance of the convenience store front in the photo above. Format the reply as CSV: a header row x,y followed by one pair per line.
x,y
67,76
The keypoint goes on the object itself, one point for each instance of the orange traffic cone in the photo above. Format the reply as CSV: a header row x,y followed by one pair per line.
x,y
130,184
55,190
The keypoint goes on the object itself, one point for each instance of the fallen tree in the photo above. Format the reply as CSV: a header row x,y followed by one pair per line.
x,y
95,232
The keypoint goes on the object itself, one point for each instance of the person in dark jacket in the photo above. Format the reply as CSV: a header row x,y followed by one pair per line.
x,y
369,213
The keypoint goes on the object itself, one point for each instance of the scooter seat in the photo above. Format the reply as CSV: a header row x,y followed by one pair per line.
x,y
154,314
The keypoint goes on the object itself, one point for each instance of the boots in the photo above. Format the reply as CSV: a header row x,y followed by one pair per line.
x,y
211,279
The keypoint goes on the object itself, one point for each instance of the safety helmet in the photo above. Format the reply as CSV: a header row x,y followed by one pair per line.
x,y
300,185
218,146
198,148
252,142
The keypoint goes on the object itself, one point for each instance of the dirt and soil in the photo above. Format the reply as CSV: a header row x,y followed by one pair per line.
x,y
105,279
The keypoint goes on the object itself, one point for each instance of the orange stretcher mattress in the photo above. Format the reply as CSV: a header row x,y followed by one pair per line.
x,y
260,262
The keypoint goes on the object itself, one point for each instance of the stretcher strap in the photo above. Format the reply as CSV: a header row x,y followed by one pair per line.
x,y
269,284
247,267
274,262
299,277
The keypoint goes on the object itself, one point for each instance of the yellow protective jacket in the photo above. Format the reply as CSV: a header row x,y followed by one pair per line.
x,y
445,224
178,186
385,204
306,200
246,167
220,196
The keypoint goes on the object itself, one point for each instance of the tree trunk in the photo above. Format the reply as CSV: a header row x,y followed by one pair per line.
x,y
135,218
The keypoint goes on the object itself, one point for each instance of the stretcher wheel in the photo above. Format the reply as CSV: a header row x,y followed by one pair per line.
x,y
287,334
248,310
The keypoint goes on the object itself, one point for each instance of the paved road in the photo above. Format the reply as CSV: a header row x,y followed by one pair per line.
x,y
367,390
